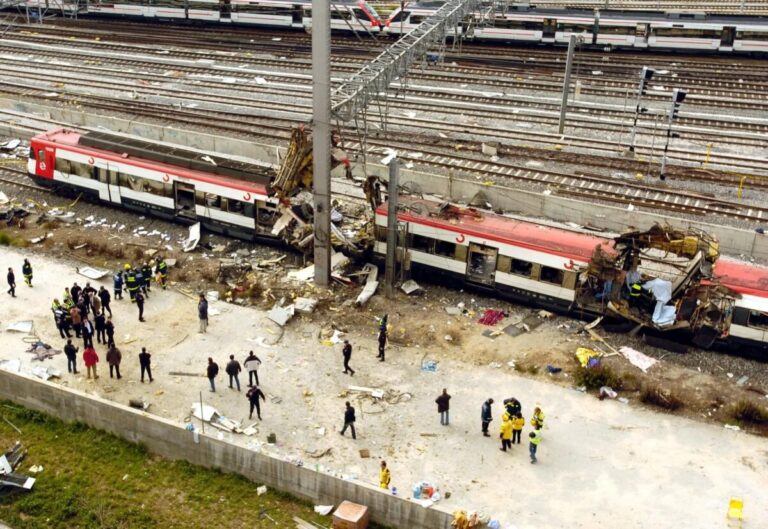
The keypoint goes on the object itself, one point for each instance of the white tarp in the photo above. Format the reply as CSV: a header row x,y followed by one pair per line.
x,y
637,359
194,237
660,288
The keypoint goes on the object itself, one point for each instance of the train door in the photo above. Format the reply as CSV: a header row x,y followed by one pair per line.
x,y
225,10
726,41
481,264
548,30
184,204
44,162
113,183
642,32
297,16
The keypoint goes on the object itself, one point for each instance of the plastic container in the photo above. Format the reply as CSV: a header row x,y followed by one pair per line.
x,y
416,491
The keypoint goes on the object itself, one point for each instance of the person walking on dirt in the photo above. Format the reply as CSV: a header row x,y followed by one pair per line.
x,y
505,433
202,313
233,370
252,364
253,395
139,299
109,328
346,352
114,357
211,372
90,358
117,284
349,420
535,439
486,416
145,362
105,299
26,269
87,332
11,277
101,327
74,315
517,428
442,406
71,352
382,337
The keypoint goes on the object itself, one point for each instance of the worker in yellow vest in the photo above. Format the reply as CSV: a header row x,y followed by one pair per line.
x,y
535,439
384,476
506,432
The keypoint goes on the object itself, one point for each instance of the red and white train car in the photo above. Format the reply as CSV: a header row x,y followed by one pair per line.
x,y
224,196
543,265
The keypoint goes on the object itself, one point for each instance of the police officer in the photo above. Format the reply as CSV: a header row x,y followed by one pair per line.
x,y
131,283
162,270
60,317
26,269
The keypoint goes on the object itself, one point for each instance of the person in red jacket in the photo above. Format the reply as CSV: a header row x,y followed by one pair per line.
x,y
90,358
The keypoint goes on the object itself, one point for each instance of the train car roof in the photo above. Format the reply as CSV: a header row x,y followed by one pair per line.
x,y
566,243
167,155
746,278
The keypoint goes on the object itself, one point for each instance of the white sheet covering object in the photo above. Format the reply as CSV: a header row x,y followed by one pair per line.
x,y
661,289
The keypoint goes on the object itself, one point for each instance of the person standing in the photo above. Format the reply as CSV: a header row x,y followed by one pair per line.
x,y
346,352
26,269
212,371
253,395
442,406
146,274
77,322
131,283
145,361
385,477
252,364
71,352
537,421
117,284
505,433
114,357
11,277
101,327
90,358
87,332
233,370
535,439
349,420
161,270
382,344
486,416
517,428
74,293
95,303
202,313
139,299
105,299
60,319
109,328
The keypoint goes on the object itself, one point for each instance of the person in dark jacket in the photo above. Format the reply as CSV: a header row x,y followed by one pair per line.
x,y
161,271
212,371
251,364
486,416
202,313
233,370
60,319
114,357
145,361
74,292
382,344
101,326
442,406
26,269
146,275
346,352
105,300
11,277
87,333
109,328
139,299
349,420
117,284
71,352
253,395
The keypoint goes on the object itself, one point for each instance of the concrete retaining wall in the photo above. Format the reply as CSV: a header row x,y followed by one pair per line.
x,y
733,241
171,441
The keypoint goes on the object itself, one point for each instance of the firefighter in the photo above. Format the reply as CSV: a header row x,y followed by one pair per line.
x,y
26,269
146,272
161,270
131,283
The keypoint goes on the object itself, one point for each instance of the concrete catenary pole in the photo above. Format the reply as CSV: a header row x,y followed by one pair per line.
x,y
567,82
321,132
389,272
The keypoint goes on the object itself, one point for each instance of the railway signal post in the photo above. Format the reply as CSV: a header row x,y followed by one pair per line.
x,y
645,75
567,82
321,129
678,96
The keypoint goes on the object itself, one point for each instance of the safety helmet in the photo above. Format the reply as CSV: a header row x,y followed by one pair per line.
x,y
127,266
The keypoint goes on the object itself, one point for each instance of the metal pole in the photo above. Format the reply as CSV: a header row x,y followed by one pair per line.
x,y
321,132
567,82
637,113
389,273
202,421
662,176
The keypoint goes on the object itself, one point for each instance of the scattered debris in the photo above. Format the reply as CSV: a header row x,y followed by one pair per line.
x,y
733,427
586,356
491,317
139,404
194,238
261,490
365,453
375,393
638,359
607,392
553,370
92,273
351,516
318,453
46,372
305,305
20,326
743,380
411,287
12,425
10,480
323,510
281,315
371,283
453,311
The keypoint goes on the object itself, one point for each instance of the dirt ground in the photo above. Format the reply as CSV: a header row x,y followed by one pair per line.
x,y
599,461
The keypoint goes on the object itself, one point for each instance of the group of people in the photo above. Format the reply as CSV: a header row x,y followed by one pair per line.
x,y
233,369
137,280
512,424
26,270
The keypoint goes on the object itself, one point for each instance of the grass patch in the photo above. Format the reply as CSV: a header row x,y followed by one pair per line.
x,y
749,412
7,239
654,395
597,377
92,479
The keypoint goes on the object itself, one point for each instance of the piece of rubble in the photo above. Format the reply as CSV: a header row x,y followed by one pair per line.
x,y
305,305
91,273
281,315
453,311
24,326
371,283
193,239
411,287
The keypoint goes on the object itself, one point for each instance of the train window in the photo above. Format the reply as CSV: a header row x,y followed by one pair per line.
x,y
82,170
267,10
504,264
381,233
239,207
616,30
177,4
340,14
417,19
551,275
156,188
41,155
574,28
62,166
570,280
420,243
687,33
360,14
203,6
517,24
752,35
758,320
447,249
521,268
400,15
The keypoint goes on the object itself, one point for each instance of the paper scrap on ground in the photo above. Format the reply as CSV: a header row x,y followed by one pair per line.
x,y
637,359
